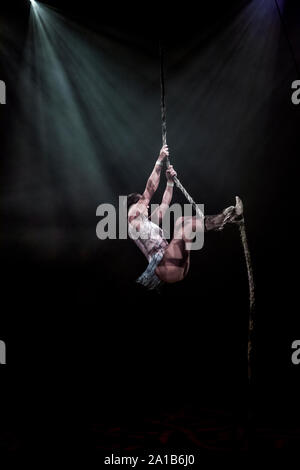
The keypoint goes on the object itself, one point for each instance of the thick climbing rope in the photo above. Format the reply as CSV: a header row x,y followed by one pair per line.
x,y
242,227
243,235
164,134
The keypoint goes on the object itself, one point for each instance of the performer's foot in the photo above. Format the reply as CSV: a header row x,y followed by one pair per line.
x,y
238,211
233,214
229,212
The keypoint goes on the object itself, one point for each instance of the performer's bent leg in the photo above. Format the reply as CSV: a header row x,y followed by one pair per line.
x,y
214,222
176,261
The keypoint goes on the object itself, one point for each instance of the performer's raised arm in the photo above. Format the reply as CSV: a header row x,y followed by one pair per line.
x,y
159,213
153,181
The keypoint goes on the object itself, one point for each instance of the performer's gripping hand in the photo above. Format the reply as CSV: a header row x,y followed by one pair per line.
x,y
171,173
164,152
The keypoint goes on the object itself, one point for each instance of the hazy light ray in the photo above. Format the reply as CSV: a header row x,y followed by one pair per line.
x,y
221,85
82,130
106,89
124,107
59,91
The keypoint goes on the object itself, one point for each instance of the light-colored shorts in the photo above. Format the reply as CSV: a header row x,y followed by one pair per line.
x,y
149,278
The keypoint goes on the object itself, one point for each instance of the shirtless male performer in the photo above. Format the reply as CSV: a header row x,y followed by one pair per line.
x,y
168,262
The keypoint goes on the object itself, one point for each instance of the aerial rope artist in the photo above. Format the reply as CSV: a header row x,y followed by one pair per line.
x,y
169,262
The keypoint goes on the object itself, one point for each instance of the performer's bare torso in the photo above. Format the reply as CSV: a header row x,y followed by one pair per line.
x,y
148,236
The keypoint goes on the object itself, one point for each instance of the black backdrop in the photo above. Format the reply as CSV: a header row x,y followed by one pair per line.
x,y
83,341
